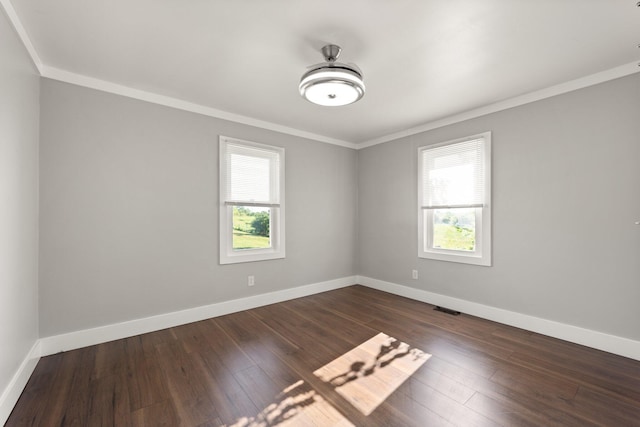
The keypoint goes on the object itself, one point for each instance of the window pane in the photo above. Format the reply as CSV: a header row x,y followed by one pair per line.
x,y
251,227
454,229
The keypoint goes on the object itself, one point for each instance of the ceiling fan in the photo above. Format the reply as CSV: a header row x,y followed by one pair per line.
x,y
332,83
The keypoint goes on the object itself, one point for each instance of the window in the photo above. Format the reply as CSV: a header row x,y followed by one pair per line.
x,y
251,201
454,193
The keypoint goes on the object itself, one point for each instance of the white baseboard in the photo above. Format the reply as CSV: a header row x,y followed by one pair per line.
x,y
87,337
594,339
53,344
12,392
64,342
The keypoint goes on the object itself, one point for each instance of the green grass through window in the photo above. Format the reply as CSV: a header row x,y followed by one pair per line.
x,y
250,228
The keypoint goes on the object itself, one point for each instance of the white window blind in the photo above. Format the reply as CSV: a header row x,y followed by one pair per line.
x,y
454,175
252,176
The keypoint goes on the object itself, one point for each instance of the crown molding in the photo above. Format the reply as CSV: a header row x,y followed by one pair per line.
x,y
22,33
559,89
110,87
167,101
106,86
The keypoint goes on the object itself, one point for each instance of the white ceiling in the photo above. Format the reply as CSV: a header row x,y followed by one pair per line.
x,y
423,60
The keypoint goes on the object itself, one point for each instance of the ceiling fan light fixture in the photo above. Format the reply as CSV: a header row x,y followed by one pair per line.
x,y
332,83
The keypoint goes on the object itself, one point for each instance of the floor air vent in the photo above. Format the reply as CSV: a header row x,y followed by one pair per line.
x,y
447,310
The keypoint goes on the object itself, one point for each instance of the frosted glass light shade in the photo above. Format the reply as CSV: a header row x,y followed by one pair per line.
x,y
332,86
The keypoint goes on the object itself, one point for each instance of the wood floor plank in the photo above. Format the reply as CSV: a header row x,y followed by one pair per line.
x,y
258,341
217,341
468,378
325,344
418,414
259,368
109,402
63,407
108,358
534,382
341,304
353,332
145,383
298,402
447,408
161,414
449,350
228,398
447,386
618,386
588,358
260,388
183,378
505,413
606,410
539,403
37,392
195,412
298,358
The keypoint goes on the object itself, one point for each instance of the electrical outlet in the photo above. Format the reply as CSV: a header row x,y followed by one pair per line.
x,y
414,274
251,280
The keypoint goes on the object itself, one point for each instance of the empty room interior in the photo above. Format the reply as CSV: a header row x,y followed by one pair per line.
x,y
367,213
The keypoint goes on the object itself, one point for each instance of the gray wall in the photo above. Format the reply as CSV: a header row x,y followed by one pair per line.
x,y
19,110
129,219
566,195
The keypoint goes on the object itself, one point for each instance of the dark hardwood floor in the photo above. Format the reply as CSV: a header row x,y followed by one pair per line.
x,y
256,368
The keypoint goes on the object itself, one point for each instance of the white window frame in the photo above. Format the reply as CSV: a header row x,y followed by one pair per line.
x,y
277,214
482,253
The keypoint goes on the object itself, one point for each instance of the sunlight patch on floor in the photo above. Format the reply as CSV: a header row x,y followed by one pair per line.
x,y
297,405
368,374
